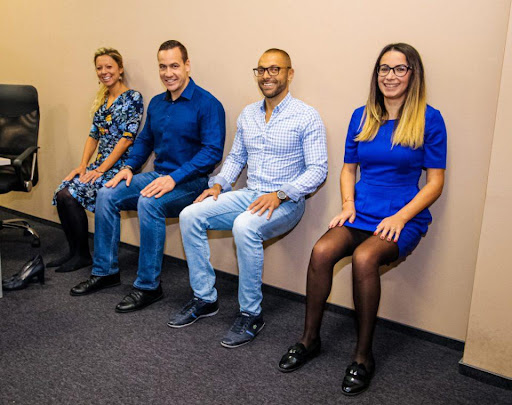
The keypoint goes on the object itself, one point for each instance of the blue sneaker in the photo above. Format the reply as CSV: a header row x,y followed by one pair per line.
x,y
244,329
195,309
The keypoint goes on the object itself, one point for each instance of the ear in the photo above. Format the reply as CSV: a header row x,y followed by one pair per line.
x,y
187,66
291,73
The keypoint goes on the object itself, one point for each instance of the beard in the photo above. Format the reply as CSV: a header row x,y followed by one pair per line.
x,y
271,93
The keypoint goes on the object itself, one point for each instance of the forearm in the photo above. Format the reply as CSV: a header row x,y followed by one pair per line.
x,y
122,145
89,148
348,182
426,196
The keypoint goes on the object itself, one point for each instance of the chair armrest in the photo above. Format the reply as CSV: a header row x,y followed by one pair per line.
x,y
17,163
25,154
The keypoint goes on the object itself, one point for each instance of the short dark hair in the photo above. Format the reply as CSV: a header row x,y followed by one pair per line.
x,y
171,44
283,53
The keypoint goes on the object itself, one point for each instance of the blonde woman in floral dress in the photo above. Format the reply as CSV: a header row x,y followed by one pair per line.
x,y
117,116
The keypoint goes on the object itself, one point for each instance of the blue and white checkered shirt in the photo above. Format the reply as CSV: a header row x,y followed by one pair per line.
x,y
288,153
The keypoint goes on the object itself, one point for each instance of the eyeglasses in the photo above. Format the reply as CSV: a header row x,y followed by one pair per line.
x,y
272,70
398,70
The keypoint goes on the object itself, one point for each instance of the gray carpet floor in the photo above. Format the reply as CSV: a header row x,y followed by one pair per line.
x,y
58,349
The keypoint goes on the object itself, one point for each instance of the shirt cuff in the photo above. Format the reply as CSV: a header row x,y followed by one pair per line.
x,y
292,192
220,180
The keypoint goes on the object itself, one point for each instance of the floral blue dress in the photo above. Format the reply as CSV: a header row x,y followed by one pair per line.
x,y
109,125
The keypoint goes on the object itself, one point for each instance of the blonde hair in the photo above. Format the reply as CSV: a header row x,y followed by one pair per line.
x,y
410,128
102,93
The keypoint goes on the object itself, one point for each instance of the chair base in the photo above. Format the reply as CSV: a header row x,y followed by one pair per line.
x,y
19,223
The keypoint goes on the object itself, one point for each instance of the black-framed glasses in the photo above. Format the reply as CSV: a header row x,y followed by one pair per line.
x,y
271,70
398,70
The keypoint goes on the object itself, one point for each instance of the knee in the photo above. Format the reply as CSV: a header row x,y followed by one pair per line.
x,y
322,254
188,216
149,206
104,196
243,230
63,196
364,264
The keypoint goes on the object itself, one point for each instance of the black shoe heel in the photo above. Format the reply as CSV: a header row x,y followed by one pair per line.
x,y
32,270
40,277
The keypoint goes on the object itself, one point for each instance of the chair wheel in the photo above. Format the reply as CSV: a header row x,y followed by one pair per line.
x,y
36,243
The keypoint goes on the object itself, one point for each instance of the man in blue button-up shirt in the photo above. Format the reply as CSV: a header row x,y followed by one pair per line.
x,y
185,128
282,141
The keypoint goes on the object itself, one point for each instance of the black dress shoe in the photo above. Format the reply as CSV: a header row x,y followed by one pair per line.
x,y
297,355
357,379
95,283
31,271
139,299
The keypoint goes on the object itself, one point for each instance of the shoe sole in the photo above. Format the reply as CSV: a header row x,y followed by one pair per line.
x,y
291,370
244,343
93,291
124,311
170,325
347,394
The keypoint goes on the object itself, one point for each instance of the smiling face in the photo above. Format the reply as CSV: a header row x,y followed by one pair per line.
x,y
394,87
174,72
275,87
108,70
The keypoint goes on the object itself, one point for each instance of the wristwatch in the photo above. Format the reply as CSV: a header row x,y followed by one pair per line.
x,y
282,196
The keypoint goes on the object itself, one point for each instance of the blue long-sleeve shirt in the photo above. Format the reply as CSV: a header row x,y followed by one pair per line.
x,y
288,153
187,134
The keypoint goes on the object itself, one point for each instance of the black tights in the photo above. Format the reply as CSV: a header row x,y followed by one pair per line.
x,y
368,253
75,225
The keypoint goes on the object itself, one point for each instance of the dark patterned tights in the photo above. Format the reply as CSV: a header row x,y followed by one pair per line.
x,y
368,253
74,223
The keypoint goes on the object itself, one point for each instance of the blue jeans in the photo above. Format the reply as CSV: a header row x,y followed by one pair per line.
x,y
152,214
229,212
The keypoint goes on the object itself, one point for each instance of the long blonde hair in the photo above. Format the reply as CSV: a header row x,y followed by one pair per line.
x,y
102,93
409,130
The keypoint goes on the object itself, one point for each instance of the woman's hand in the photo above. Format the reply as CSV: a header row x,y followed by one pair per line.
x,y
91,176
390,228
348,212
79,171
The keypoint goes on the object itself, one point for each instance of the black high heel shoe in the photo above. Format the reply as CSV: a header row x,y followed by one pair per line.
x,y
31,271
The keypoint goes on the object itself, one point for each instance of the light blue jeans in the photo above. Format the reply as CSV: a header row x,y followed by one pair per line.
x,y
229,212
152,214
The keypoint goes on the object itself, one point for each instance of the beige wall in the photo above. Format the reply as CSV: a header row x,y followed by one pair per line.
x,y
333,45
489,337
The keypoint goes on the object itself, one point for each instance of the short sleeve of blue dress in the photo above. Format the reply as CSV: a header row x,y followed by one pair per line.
x,y
121,120
390,174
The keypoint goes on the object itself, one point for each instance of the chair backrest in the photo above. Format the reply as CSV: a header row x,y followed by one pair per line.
x,y
19,122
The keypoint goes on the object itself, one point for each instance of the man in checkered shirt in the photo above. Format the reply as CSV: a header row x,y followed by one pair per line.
x,y
282,141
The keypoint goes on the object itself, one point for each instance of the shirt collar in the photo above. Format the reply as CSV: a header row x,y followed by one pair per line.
x,y
282,105
187,93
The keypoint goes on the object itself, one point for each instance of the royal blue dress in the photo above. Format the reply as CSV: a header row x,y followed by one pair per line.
x,y
390,175
109,125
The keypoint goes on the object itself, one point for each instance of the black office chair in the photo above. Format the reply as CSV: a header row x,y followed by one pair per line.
x,y
19,127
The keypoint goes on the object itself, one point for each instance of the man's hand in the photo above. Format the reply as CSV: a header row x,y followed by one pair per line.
x,y
125,174
213,191
266,202
159,187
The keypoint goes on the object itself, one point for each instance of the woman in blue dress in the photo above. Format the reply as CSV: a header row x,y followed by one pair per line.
x,y
117,116
385,214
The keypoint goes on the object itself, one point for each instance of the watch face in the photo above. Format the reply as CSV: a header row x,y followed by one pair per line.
x,y
281,195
